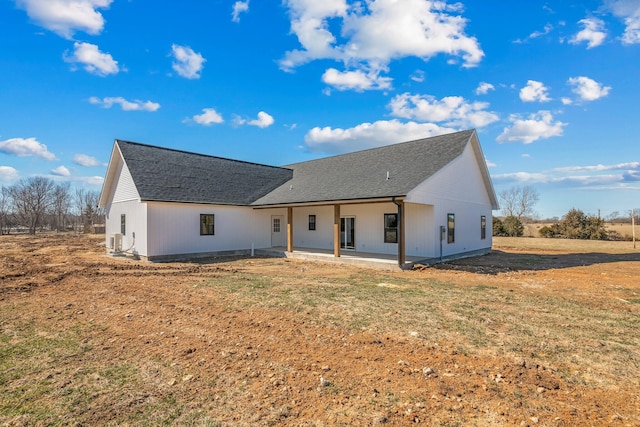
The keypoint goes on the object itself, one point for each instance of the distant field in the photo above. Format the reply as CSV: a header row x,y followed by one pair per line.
x,y
531,230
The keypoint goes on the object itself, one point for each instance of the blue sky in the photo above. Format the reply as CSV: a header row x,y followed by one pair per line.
x,y
552,87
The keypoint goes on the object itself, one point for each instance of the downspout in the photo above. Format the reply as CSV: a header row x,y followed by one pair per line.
x,y
400,234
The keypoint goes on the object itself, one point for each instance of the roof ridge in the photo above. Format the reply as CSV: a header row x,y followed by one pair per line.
x,y
198,154
381,147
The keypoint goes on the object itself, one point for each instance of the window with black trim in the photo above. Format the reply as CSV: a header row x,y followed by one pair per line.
x,y
123,224
312,222
391,228
451,228
483,227
207,224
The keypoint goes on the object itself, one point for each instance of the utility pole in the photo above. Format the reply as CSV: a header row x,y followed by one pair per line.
x,y
633,227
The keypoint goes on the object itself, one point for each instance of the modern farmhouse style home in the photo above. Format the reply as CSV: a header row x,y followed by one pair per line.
x,y
428,199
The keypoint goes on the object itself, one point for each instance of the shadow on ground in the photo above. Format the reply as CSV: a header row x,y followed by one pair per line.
x,y
500,262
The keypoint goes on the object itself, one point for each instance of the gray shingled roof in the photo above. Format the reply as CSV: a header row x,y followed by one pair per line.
x,y
363,174
163,174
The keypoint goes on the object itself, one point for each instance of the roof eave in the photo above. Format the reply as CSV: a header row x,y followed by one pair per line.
x,y
353,201
110,175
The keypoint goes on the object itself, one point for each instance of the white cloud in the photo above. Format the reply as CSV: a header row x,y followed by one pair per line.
x,y
593,176
26,147
95,62
135,105
238,8
629,12
61,171
593,33
65,17
537,126
417,76
264,120
7,173
369,135
84,160
522,177
629,166
547,29
356,80
369,35
92,180
89,180
566,101
534,91
588,89
208,116
187,63
534,35
573,180
451,110
484,88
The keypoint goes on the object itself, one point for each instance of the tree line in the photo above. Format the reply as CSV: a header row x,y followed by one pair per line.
x,y
37,203
517,205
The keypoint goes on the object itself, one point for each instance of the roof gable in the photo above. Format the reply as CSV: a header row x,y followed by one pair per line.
x,y
163,174
363,174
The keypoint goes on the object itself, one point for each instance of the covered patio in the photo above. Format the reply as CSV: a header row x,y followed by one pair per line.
x,y
363,259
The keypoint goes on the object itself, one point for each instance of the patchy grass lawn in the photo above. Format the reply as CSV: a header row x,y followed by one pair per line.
x,y
540,332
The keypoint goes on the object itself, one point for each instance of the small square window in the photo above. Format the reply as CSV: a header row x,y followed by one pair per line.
x,y
312,222
391,228
207,224
451,228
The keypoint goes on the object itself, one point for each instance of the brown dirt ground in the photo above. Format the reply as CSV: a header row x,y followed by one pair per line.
x,y
260,366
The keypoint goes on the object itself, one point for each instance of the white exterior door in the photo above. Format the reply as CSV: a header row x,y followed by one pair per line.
x,y
277,230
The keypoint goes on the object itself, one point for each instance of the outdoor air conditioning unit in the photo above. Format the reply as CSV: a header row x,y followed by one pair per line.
x,y
115,242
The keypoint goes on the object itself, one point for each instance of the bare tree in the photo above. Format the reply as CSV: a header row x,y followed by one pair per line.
x,y
519,201
5,210
86,207
60,205
93,213
32,199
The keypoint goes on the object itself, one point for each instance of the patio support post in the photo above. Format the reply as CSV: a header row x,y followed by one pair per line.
x,y
336,231
289,229
401,246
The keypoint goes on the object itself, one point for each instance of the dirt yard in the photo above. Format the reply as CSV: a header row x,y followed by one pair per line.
x,y
539,333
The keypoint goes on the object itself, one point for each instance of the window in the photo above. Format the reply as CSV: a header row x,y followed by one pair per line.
x,y
207,225
391,228
276,225
451,228
312,222
123,224
483,227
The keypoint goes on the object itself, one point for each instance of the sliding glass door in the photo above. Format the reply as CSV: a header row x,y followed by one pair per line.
x,y
348,232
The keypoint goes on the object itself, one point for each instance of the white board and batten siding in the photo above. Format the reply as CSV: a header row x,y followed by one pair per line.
x,y
174,228
420,232
126,201
322,236
459,189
